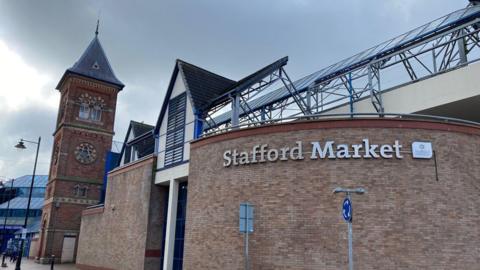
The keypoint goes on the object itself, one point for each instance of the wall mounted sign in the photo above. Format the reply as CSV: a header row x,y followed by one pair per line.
x,y
422,150
261,153
347,210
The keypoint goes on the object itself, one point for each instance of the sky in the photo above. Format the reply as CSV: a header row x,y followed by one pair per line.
x,y
39,40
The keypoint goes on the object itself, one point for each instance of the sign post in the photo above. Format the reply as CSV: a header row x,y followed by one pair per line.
x,y
348,217
246,227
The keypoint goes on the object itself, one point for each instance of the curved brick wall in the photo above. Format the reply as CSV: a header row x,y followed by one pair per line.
x,y
407,219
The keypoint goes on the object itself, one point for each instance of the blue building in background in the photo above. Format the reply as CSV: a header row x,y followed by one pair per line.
x,y
13,208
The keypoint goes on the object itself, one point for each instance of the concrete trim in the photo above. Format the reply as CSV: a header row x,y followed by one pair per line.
x,y
77,179
338,123
82,127
171,225
93,211
91,267
132,165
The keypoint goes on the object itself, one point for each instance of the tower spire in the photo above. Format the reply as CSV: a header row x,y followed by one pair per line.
x,y
96,30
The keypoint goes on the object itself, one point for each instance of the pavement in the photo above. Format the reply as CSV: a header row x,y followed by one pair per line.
x,y
31,265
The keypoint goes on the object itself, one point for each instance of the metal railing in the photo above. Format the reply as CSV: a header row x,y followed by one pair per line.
x,y
344,116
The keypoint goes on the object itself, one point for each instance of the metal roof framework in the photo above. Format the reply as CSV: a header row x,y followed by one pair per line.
x,y
248,88
439,46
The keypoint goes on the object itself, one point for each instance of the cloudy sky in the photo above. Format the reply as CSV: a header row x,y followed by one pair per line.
x,y
40,39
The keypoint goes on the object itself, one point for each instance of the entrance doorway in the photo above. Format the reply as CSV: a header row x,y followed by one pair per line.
x,y
68,248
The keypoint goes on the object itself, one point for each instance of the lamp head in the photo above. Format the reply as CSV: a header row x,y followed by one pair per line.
x,y
20,145
359,191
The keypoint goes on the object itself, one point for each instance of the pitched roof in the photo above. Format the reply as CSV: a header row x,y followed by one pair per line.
x,y
22,202
94,64
140,128
142,138
203,85
24,181
249,80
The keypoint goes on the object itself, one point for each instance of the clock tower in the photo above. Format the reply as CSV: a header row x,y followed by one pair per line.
x,y
82,138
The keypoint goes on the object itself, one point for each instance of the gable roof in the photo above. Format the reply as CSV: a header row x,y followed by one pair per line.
x,y
141,132
203,85
94,64
140,128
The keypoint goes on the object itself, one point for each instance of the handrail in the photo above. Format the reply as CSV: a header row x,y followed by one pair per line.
x,y
337,116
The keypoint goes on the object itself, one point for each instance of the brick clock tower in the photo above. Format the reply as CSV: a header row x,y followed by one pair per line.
x,y
82,138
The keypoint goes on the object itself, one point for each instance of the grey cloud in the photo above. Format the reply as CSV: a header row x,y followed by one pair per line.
x,y
233,38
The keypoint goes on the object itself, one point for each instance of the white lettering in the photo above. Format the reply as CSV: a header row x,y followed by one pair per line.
x,y
273,157
397,146
262,153
284,151
235,155
370,149
356,150
386,150
298,150
342,151
226,157
263,149
244,158
254,153
316,148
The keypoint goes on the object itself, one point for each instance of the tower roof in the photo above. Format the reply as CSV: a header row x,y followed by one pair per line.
x,y
94,64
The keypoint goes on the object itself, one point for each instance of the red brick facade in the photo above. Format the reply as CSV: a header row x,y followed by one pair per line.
x,y
407,219
74,185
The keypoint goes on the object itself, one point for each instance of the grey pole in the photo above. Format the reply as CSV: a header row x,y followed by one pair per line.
x,y
347,192
350,246
20,253
246,251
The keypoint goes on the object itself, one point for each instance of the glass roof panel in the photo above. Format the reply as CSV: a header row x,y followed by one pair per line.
x,y
453,17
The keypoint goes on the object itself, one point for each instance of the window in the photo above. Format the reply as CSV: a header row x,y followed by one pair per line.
x,y
178,250
90,107
128,153
175,130
83,192
84,111
80,191
96,113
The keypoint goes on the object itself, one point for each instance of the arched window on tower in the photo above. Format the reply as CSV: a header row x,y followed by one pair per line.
x,y
96,113
84,112
90,107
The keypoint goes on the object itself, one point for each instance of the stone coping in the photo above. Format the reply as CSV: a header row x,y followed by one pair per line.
x,y
338,123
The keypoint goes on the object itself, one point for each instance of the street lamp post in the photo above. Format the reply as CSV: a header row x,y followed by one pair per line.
x,y
347,215
21,145
5,222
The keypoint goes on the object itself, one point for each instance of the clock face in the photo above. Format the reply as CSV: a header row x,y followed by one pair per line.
x,y
85,153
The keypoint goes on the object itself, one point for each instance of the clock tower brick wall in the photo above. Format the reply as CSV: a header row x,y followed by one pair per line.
x,y
75,183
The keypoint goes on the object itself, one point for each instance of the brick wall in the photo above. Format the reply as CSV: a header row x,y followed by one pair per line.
x,y
406,220
127,232
67,175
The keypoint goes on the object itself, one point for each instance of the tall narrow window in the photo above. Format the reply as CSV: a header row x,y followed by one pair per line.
x,y
175,130
96,113
84,111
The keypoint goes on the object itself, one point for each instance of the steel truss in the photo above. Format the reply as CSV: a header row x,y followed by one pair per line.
x,y
441,52
241,110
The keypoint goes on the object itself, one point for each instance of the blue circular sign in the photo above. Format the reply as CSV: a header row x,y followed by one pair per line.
x,y
347,210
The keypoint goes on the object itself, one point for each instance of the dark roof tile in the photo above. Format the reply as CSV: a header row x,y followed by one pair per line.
x,y
202,84
94,64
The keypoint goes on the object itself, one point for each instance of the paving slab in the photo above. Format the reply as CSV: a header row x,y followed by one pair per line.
x,y
31,265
